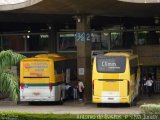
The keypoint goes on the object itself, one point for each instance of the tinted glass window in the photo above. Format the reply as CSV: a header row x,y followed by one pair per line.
x,y
67,42
133,66
59,66
111,64
116,41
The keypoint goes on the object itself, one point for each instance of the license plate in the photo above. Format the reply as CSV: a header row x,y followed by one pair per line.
x,y
36,93
110,98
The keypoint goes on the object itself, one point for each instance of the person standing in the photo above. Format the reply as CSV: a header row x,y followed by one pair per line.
x,y
80,90
149,84
69,91
75,87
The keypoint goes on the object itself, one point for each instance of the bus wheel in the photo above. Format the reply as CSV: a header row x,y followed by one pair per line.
x,y
61,99
99,105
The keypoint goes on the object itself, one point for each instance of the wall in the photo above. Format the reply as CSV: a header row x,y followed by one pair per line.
x,y
149,55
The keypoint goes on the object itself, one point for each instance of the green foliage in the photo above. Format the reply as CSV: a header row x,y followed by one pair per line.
x,y
8,81
9,86
36,116
150,109
9,58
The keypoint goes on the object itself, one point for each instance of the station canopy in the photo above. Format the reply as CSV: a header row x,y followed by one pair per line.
x,y
141,1
94,7
8,2
16,4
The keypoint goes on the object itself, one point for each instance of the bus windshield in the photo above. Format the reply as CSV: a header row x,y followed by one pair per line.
x,y
111,64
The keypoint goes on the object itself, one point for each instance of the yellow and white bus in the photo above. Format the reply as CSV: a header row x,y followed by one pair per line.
x,y
42,78
115,78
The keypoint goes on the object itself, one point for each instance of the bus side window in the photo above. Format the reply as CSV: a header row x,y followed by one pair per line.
x,y
57,67
134,67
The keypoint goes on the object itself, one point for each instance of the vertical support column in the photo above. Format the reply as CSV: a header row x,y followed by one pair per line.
x,y
83,43
52,42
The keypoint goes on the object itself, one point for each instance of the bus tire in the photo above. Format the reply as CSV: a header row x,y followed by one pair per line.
x,y
61,99
99,105
30,103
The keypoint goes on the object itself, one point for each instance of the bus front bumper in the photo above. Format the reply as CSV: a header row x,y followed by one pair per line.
x,y
101,99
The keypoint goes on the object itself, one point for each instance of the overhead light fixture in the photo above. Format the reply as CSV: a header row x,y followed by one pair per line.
x,y
28,36
141,1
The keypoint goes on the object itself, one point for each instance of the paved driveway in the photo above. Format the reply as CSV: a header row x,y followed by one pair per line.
x,y
75,107
71,107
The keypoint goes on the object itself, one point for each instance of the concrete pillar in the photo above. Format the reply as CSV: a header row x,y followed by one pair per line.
x,y
83,43
52,42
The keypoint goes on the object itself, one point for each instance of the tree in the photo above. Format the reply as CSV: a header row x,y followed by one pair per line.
x,y
8,80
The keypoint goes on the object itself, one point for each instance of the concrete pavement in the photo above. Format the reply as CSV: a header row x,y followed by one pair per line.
x,y
75,107
71,108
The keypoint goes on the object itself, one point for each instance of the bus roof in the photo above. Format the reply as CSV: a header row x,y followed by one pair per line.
x,y
44,58
50,55
126,54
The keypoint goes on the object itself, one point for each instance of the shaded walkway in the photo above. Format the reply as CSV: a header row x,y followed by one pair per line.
x,y
144,99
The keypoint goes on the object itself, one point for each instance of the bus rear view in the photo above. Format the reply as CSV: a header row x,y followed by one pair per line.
x,y
111,79
35,79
